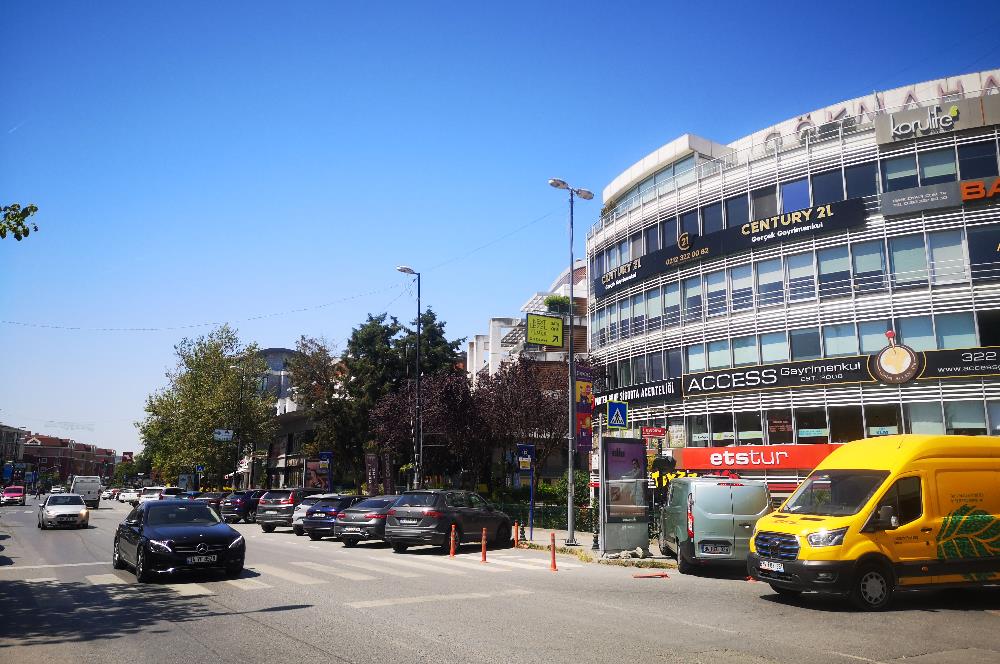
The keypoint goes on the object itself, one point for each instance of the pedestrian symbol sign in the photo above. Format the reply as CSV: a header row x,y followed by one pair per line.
x,y
545,330
617,415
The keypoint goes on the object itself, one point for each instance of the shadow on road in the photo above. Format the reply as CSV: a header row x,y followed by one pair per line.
x,y
932,601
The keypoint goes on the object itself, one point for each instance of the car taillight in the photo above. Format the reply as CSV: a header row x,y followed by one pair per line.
x,y
433,514
374,516
286,501
690,517
238,501
391,513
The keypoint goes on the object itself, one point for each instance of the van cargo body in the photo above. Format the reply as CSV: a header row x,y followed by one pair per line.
x,y
89,487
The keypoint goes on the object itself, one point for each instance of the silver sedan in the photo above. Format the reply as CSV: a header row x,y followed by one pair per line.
x,y
65,509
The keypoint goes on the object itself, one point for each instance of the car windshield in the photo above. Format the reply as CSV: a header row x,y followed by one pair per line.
x,y
13,491
417,500
276,495
65,500
174,515
835,492
374,504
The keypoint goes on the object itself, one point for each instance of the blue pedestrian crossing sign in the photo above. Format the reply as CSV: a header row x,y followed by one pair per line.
x,y
617,415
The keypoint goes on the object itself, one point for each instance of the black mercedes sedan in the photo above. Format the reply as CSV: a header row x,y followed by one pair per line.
x,y
167,536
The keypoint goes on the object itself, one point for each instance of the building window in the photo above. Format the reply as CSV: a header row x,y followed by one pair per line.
x,y
697,427
805,344
989,327
993,410
722,429
639,369
718,354
779,427
794,195
964,418
846,424
715,293
801,277
638,314
668,232
773,347
744,351
671,304
839,340
623,251
955,330
811,426
611,257
654,309
925,418
899,173
748,428
827,187
692,299
872,334
737,211
834,272
742,285
869,266
625,316
711,218
882,419
636,242
654,362
624,373
770,283
862,180
689,222
917,332
652,239
947,257
613,323
765,202
684,172
674,363
977,160
909,261
937,166
602,327
695,358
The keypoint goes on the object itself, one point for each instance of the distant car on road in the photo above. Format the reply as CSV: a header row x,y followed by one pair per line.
x,y
12,495
159,493
364,521
213,498
63,510
276,507
58,489
426,517
241,505
169,536
321,519
128,496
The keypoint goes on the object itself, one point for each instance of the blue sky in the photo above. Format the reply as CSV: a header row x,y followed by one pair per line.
x,y
201,162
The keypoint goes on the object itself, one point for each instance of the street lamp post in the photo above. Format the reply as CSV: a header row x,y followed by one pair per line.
x,y
586,195
239,432
418,438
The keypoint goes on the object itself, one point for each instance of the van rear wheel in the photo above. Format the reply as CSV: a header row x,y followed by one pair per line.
x,y
683,565
872,587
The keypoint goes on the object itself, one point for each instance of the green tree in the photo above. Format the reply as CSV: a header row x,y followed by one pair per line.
x,y
124,472
214,385
15,221
437,354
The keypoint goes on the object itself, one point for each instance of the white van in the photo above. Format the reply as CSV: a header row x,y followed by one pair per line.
x,y
88,486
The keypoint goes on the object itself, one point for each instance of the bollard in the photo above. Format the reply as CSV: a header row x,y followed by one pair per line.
x,y
484,546
522,537
452,540
553,547
517,542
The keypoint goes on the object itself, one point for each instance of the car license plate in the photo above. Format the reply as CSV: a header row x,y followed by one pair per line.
x,y
352,529
194,560
270,511
773,566
409,521
716,549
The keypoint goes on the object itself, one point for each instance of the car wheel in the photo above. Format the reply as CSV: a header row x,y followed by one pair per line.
x,y
298,531
398,547
315,537
141,572
267,527
785,592
872,587
350,542
251,517
684,566
116,557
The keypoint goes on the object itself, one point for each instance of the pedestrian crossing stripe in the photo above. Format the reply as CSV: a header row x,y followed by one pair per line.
x,y
617,415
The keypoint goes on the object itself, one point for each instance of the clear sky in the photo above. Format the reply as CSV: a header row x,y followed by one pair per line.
x,y
199,162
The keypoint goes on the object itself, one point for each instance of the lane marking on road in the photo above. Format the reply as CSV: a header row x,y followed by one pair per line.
x,y
539,561
17,567
42,579
329,569
29,511
247,584
434,569
188,589
467,563
105,580
511,563
397,601
300,579
379,569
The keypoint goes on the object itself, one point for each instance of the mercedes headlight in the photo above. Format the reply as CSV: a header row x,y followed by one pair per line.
x,y
827,537
160,547
236,542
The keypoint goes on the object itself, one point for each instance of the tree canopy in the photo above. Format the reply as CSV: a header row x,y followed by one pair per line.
x,y
15,221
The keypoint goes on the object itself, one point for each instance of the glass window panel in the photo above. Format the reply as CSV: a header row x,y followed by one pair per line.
x,y
899,173
909,261
612,258
623,250
801,277
749,430
770,284
744,351
811,426
639,369
625,318
611,375
624,373
872,333
695,358
947,256
692,299
937,166
689,222
840,340
846,424
827,187
869,266
654,364
613,323
862,180
882,419
794,195
925,418
955,330
602,327
964,418
765,202
722,429
917,332
652,239
674,363
711,218
684,172
638,314
671,304
741,279
773,347
715,287
977,160
834,272
668,232
664,175
654,309
636,242
737,211
718,354
779,427
805,343
697,429
993,410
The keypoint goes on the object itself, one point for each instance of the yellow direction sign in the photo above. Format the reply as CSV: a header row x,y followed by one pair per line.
x,y
545,330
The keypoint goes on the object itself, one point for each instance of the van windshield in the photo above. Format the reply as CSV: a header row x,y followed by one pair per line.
x,y
835,492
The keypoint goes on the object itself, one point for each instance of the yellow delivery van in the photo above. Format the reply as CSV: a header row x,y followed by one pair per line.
x,y
882,515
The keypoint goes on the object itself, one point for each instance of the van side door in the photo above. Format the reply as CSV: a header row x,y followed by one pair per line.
x,y
750,502
714,526
910,546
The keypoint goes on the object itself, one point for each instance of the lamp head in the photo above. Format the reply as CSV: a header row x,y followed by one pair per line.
x,y
585,194
558,184
405,269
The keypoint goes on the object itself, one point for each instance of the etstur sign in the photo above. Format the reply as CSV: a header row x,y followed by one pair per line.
x,y
757,457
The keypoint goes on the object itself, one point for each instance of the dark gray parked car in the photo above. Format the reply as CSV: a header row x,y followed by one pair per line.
x,y
426,517
277,506
364,521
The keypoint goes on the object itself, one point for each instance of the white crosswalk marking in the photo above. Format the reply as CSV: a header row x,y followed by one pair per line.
x,y
44,579
396,601
343,574
188,589
247,584
380,569
543,562
300,579
436,569
466,562
514,564
105,580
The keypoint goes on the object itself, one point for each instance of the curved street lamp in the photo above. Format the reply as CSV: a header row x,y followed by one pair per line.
x,y
418,437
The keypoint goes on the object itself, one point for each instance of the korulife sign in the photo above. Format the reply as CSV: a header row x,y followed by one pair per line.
x,y
928,121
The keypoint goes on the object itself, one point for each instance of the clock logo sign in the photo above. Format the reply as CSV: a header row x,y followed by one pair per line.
x,y
896,363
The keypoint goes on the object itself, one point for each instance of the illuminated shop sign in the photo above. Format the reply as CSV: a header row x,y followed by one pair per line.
x,y
987,189
759,233
768,457
660,391
928,121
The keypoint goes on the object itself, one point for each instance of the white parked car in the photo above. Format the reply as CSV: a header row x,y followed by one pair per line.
x,y
106,494
128,495
58,489
159,493
65,509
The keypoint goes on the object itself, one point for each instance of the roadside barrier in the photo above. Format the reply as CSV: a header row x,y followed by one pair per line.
x,y
484,546
452,540
552,546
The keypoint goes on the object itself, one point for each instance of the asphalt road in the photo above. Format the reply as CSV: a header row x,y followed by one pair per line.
x,y
303,601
